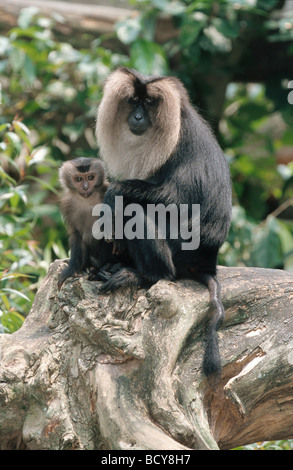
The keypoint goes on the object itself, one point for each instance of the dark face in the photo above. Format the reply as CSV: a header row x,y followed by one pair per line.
x,y
139,117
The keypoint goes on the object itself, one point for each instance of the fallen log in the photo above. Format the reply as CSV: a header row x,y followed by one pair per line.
x,y
81,17
123,371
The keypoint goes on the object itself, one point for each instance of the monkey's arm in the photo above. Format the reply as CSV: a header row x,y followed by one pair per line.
x,y
137,191
76,258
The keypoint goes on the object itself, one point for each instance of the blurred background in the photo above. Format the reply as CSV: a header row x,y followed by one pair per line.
x,y
234,56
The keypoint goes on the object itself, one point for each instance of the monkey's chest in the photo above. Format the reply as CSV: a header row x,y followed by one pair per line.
x,y
85,221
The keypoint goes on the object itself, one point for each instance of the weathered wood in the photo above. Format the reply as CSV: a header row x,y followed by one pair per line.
x,y
96,19
123,371
79,15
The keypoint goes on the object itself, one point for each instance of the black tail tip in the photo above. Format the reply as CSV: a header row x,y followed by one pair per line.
x,y
213,370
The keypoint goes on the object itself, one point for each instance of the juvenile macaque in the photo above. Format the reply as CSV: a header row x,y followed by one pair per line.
x,y
84,184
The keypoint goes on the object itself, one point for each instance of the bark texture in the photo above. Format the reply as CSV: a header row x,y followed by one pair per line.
x,y
123,371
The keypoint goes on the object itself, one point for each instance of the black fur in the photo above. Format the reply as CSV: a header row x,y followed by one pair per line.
x,y
196,173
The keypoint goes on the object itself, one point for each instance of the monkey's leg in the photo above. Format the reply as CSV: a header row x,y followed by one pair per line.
x,y
76,259
211,361
152,261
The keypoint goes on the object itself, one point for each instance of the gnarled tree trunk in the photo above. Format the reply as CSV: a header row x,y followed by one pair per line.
x,y
123,371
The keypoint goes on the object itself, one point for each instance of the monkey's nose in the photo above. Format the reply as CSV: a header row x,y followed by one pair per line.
x,y
138,117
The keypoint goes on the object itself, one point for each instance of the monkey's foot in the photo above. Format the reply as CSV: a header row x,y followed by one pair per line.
x,y
125,277
103,276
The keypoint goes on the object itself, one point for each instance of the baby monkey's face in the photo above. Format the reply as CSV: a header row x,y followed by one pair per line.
x,y
84,176
85,183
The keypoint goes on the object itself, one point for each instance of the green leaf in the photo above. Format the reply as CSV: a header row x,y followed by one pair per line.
x,y
216,40
244,4
38,155
23,132
14,200
29,70
65,53
13,138
267,4
288,135
20,126
189,33
4,126
128,30
6,177
267,250
12,321
43,183
26,15
74,130
171,7
5,300
13,291
14,141
4,45
59,250
148,57
229,29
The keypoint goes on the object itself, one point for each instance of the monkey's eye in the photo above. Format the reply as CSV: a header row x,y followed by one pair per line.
x,y
150,101
91,177
78,179
133,100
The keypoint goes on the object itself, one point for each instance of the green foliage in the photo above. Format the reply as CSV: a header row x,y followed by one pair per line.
x,y
206,27
145,54
55,86
24,212
269,445
51,87
267,244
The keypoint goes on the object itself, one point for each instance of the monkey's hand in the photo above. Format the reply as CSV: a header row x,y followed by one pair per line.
x,y
61,279
118,247
65,274
136,191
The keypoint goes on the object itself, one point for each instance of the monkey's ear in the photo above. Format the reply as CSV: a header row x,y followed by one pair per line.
x,y
61,175
66,172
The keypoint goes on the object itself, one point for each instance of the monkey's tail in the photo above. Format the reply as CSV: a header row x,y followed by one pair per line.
x,y
212,361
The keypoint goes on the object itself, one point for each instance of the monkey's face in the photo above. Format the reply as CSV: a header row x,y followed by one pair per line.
x,y
84,176
138,122
85,183
142,110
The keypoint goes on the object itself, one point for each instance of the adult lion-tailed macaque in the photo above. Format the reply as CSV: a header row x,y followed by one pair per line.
x,y
160,151
84,184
